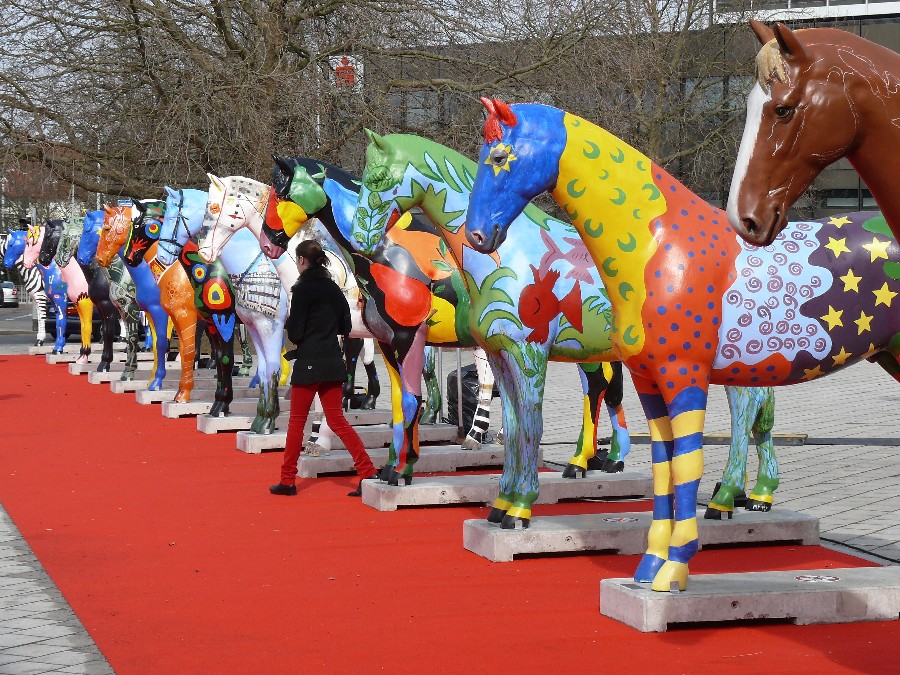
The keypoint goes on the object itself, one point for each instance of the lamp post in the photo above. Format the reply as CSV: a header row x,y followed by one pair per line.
x,y
3,203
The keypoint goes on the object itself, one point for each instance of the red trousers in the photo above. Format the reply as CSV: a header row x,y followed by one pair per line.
x,y
330,394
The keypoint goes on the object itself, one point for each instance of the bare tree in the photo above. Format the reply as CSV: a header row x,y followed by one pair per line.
x,y
123,96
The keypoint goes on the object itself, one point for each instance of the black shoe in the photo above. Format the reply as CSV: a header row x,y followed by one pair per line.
x,y
358,491
282,489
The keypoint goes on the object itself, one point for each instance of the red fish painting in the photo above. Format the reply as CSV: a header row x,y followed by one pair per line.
x,y
538,305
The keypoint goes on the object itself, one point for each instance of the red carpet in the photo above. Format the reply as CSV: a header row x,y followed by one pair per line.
x,y
173,554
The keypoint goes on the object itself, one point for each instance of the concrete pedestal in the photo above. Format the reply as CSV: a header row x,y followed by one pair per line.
x,y
200,406
120,387
432,458
482,489
65,357
626,533
117,367
203,386
375,436
801,596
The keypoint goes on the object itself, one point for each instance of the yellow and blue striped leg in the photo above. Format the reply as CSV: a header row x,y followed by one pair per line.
x,y
688,412
661,449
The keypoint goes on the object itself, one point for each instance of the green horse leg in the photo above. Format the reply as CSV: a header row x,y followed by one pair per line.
x,y
752,413
760,497
433,401
247,357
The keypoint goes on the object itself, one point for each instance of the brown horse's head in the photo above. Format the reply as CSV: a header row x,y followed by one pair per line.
x,y
116,223
802,115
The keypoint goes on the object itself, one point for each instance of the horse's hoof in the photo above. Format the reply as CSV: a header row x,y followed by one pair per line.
x,y
470,443
715,514
496,515
216,409
39,343
572,471
509,522
103,367
612,466
183,396
756,505
596,463
396,478
368,403
155,385
127,376
313,449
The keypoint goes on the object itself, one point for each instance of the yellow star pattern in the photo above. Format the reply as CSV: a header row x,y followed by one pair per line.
x,y
839,359
851,281
510,158
833,318
838,222
884,295
812,374
837,246
863,323
878,249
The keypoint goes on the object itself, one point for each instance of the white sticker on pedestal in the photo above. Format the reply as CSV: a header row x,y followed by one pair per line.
x,y
621,520
817,578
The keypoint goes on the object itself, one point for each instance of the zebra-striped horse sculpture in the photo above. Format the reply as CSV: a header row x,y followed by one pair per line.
x,y
34,284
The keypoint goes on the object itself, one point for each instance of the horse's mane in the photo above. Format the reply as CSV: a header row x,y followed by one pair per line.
x,y
770,65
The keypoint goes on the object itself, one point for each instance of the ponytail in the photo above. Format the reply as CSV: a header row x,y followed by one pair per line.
x,y
318,261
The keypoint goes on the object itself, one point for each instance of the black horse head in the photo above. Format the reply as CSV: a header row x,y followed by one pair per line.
x,y
52,233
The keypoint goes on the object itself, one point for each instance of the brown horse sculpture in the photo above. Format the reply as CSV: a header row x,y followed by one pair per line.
x,y
820,94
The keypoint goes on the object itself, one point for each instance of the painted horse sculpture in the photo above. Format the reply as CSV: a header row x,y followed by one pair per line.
x,y
820,94
121,287
52,287
176,292
411,301
110,250
40,247
248,286
417,173
237,203
34,285
413,298
405,172
98,286
691,303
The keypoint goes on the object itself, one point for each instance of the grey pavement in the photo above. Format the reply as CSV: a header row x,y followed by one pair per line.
x,y
847,475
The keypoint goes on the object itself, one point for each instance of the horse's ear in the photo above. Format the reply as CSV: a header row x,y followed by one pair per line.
x,y
763,33
108,209
169,191
488,105
505,113
376,139
790,46
215,180
283,164
139,205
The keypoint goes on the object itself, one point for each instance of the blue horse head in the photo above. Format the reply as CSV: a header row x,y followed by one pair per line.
x,y
184,208
15,247
519,160
90,237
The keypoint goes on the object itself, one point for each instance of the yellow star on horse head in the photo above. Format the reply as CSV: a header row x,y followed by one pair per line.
x,y
510,157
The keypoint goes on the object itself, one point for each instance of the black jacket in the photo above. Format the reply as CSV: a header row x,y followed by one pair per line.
x,y
319,313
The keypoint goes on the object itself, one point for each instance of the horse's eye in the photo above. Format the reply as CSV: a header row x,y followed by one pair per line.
x,y
498,156
378,179
783,112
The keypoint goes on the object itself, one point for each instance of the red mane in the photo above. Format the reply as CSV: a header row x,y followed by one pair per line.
x,y
498,113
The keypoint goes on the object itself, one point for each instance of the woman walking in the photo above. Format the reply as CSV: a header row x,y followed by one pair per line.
x,y
319,313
